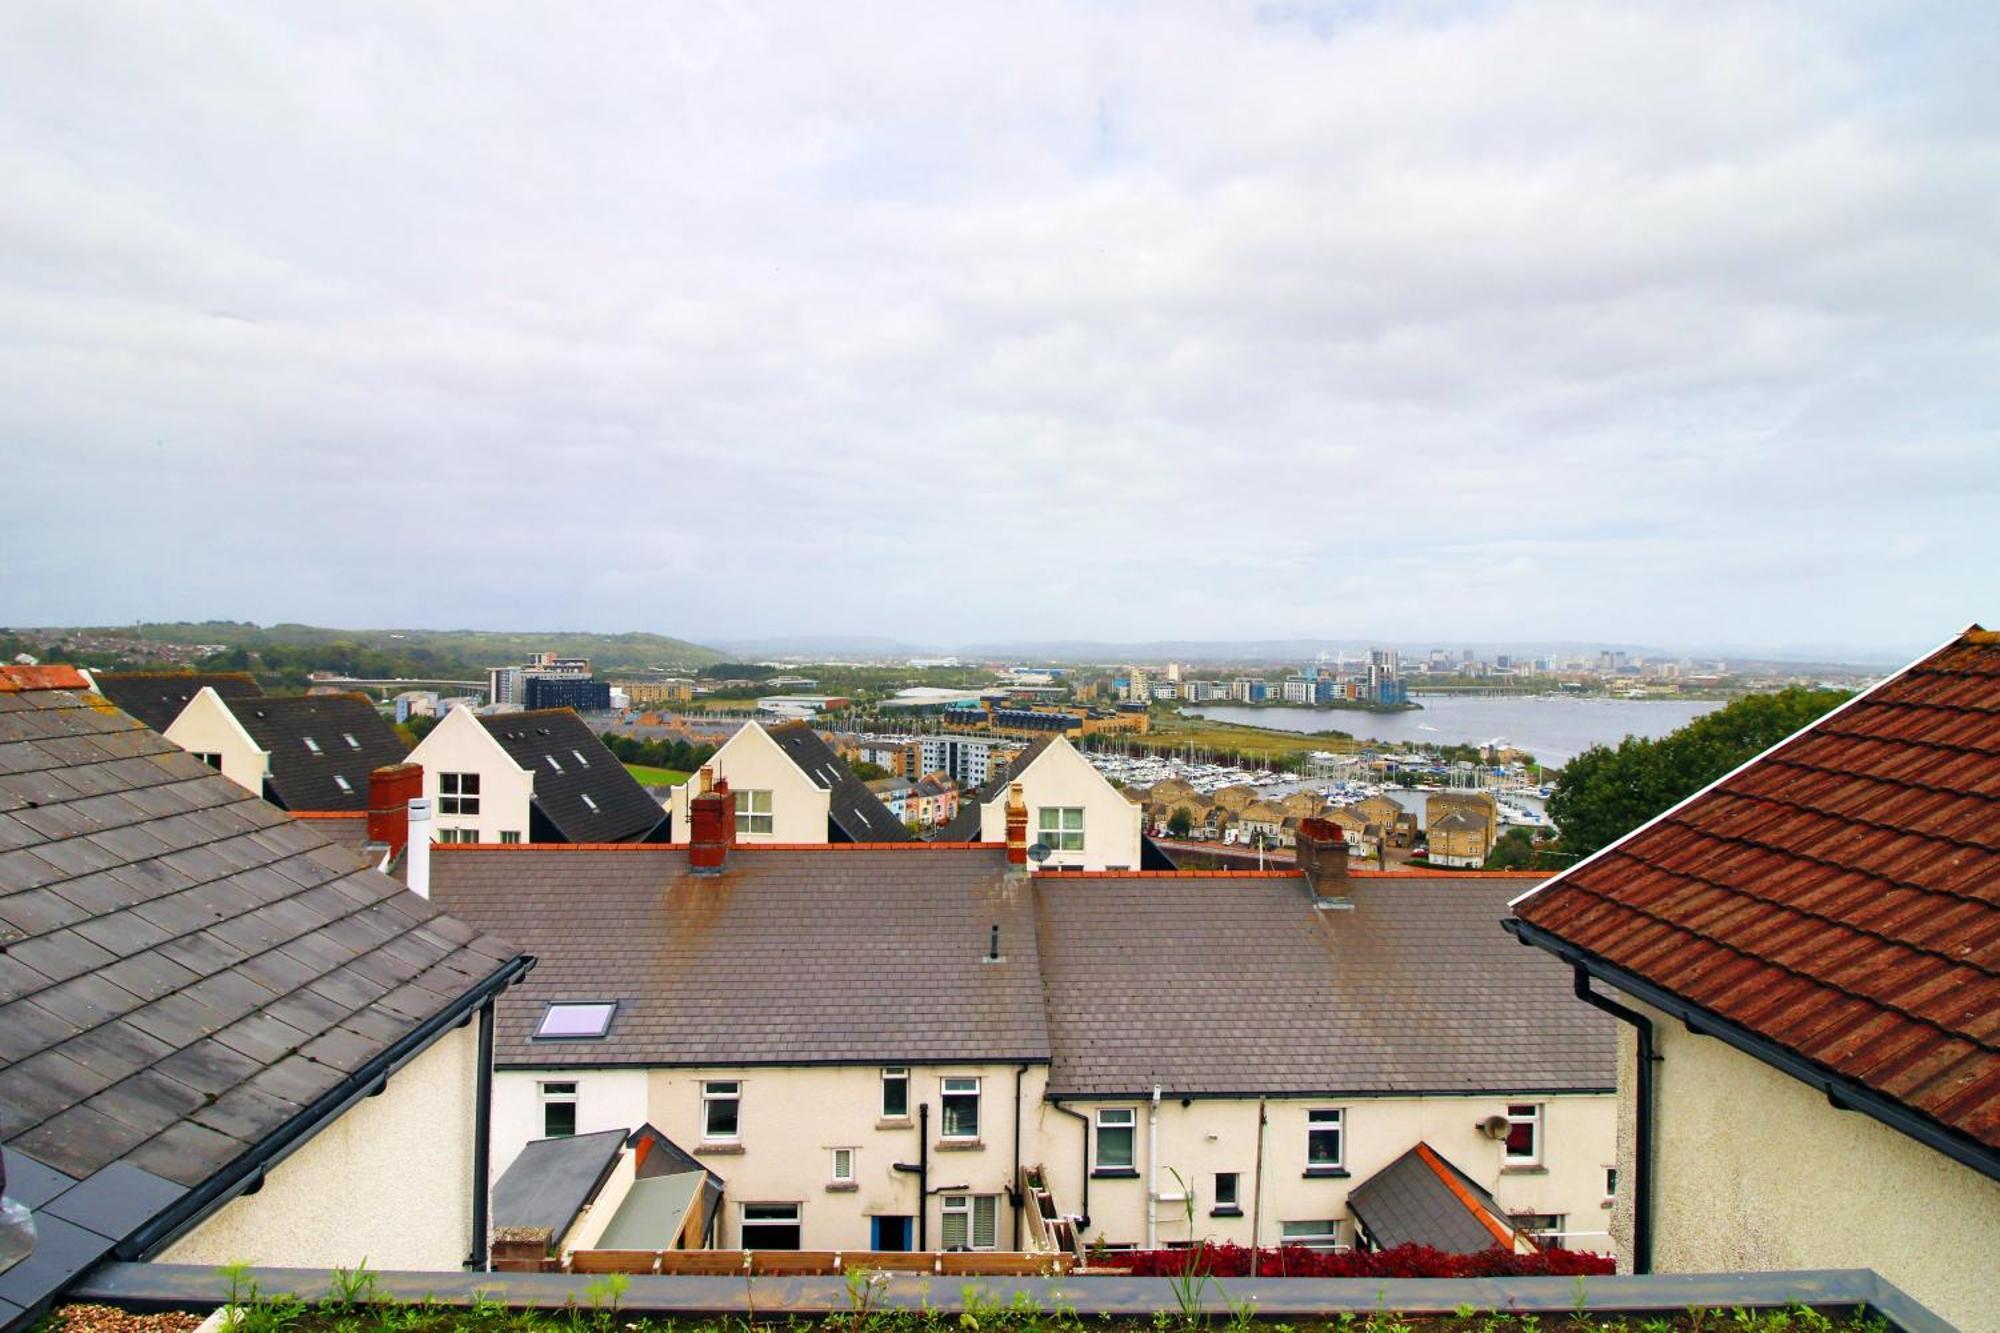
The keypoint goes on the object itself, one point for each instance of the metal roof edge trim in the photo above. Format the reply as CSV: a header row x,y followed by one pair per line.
x,y
197,1204
1842,1092
517,1066
1759,757
1336,1094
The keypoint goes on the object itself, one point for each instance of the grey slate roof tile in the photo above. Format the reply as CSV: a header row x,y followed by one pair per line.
x,y
302,777
156,698
623,813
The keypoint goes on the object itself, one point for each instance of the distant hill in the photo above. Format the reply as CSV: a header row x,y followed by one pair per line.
x,y
458,648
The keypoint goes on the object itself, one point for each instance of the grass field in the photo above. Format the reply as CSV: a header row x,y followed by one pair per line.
x,y
1171,730
656,777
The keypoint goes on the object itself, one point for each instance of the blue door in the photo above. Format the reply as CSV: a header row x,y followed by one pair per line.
x,y
889,1233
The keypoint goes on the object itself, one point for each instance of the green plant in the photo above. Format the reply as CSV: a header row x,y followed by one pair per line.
x,y
862,1286
605,1294
1579,1296
979,1307
351,1287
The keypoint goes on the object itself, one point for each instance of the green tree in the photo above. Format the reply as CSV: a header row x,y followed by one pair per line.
x,y
868,772
1180,823
1604,793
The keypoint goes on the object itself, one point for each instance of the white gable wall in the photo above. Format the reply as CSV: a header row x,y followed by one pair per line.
x,y
1060,776
461,744
206,726
751,761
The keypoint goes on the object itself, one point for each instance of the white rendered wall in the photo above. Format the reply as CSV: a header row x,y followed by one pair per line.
x,y
461,744
206,726
1060,776
751,761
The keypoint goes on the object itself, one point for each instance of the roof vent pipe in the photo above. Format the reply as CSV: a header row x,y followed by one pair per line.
x,y
993,946
417,869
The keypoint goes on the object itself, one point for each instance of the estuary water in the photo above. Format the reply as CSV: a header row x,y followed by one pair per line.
x,y
1552,728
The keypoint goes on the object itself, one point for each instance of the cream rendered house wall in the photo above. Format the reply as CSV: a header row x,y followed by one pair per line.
x,y
206,726
461,744
389,1182
605,1099
1211,1136
1757,1171
791,1120
751,761
1060,776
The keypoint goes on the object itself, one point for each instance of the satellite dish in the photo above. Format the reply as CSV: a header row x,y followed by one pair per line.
x,y
1039,852
1495,1126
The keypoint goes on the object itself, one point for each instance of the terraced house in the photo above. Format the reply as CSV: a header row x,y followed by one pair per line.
x,y
929,1045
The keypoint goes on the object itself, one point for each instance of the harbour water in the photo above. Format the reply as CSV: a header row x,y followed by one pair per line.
x,y
1552,728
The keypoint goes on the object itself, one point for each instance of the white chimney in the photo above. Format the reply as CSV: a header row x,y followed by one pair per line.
x,y
417,869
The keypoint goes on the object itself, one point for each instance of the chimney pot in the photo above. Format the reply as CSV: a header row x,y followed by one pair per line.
x,y
1017,826
417,869
1322,856
390,790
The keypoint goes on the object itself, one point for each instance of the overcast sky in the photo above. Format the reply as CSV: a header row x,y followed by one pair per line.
x,y
959,322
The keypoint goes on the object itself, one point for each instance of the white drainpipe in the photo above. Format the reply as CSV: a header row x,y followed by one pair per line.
x,y
417,868
1153,1171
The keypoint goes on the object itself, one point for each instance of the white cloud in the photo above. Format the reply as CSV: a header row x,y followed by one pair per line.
x,y
970,322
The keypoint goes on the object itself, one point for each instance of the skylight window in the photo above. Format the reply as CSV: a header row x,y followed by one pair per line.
x,y
592,804
586,1020
580,759
553,762
341,783
352,744
311,744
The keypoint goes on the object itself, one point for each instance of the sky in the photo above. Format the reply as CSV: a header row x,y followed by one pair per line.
x,y
1673,323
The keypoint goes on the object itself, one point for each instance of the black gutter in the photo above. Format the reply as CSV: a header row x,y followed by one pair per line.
x,y
1083,1217
1642,1129
247,1172
1843,1093
482,1140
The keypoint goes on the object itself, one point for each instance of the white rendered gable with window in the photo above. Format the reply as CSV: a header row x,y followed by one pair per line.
x,y
206,727
1086,823
476,790
776,800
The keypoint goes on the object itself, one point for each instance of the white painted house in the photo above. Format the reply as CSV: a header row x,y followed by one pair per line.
x,y
535,776
1073,810
310,752
790,787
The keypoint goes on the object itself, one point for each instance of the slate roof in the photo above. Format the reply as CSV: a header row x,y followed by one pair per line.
x,y
550,1181
157,697
1235,984
184,970
862,954
854,813
571,764
965,825
1839,897
352,740
1421,1198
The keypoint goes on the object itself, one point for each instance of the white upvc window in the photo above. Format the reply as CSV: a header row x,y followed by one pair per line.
x,y
753,813
896,1093
959,1100
458,835
1320,1233
558,1109
1116,1128
971,1221
209,757
1524,1135
770,1226
458,793
1326,1140
1060,827
843,1166
721,1111
510,836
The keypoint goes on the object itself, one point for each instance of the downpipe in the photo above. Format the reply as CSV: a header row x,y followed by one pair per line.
x,y
1642,1129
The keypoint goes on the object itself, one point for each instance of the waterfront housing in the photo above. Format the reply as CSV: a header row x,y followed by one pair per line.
x,y
1806,959
220,1035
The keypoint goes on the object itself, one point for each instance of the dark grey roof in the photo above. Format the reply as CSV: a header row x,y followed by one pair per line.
x,y
965,825
1238,985
848,953
585,794
551,1180
1410,1202
854,813
184,971
318,742
157,697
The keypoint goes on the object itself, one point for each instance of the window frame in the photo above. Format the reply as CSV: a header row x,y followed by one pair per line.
x,y
1311,1240
711,1097
558,1092
610,1016
1233,1205
897,1074
796,1220
457,836
453,796
1130,1127
1529,1114
743,806
945,1095
835,1175
1323,1120
969,1206
213,758
510,837
1061,834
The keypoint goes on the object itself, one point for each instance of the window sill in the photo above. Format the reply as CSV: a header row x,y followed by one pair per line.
x,y
1327,1173
718,1148
1114,1173
1525,1169
960,1145
1225,1212
843,1187
893,1122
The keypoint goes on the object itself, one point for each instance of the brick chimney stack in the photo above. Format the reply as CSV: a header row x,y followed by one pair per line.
x,y
711,825
1322,853
390,791
1017,826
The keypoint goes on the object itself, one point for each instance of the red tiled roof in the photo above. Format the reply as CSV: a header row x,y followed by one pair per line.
x,y
1839,896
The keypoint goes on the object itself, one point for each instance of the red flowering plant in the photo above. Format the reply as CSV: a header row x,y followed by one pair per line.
x,y
1227,1260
